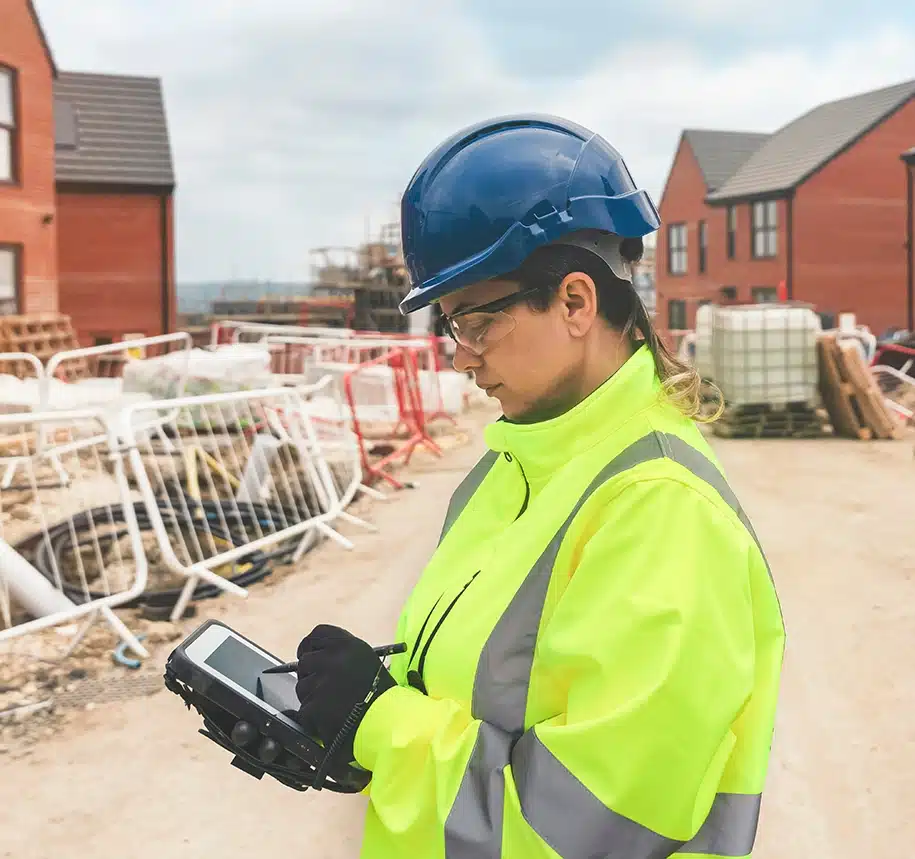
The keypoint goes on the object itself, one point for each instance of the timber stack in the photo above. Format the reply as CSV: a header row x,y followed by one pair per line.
x,y
857,408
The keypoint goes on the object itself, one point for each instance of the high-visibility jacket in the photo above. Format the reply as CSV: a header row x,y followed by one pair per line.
x,y
600,644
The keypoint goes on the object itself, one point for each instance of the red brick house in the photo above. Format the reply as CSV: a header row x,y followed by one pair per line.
x,y
817,208
694,240
86,191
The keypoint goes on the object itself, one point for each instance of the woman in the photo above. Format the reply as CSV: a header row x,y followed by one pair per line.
x,y
594,648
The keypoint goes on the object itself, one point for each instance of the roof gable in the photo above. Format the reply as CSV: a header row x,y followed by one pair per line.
x,y
41,35
795,152
721,153
111,130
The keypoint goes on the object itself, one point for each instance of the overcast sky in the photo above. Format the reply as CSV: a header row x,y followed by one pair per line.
x,y
293,121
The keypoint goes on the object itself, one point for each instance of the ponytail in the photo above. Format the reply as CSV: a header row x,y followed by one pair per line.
x,y
681,383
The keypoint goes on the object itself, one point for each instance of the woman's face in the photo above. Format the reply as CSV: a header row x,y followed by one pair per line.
x,y
528,360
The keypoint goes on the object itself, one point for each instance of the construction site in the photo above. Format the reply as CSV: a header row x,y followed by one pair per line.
x,y
286,460
268,479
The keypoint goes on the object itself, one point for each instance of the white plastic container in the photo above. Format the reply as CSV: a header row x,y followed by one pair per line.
x,y
764,353
702,359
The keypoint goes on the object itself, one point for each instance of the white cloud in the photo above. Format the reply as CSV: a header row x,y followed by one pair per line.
x,y
291,122
725,13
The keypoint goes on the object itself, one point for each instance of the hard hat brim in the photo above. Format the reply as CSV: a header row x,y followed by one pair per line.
x,y
631,215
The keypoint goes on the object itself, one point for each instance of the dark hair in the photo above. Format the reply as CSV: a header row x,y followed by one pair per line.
x,y
617,303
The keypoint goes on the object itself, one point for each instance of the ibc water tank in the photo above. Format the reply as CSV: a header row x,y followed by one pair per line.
x,y
764,353
703,358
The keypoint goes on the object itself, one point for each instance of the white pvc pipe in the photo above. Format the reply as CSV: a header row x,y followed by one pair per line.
x,y
29,587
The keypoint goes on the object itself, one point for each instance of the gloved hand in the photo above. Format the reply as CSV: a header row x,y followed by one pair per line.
x,y
336,672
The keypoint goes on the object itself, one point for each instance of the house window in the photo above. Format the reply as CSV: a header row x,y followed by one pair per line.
x,y
676,249
9,280
765,229
7,124
732,232
676,315
763,294
703,247
729,293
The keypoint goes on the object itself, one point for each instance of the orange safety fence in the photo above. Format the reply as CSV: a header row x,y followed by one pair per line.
x,y
294,356
403,418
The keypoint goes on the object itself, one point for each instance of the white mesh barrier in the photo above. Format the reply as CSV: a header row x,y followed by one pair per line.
x,y
230,477
70,545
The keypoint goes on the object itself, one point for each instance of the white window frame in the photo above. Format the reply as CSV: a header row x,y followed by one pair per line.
x,y
7,125
677,249
731,232
10,258
703,247
763,294
764,229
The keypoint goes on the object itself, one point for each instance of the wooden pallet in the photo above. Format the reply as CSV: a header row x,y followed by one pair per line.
x,y
41,335
793,420
851,394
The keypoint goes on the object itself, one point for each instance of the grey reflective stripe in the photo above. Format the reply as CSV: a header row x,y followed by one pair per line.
x,y
730,828
556,805
700,466
474,828
569,818
500,686
466,488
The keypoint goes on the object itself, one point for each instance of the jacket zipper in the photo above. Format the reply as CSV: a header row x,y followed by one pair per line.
x,y
415,676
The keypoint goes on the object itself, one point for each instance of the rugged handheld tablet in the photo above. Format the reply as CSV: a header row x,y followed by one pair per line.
x,y
220,673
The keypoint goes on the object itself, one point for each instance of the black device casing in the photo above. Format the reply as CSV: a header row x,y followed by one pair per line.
x,y
211,698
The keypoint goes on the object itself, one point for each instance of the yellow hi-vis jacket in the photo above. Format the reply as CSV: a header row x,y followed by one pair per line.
x,y
600,642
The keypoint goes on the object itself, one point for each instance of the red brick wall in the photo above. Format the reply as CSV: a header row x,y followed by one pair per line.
x,y
24,206
684,202
849,227
743,271
110,264
170,248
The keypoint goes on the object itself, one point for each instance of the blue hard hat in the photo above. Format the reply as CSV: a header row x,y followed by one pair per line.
x,y
491,194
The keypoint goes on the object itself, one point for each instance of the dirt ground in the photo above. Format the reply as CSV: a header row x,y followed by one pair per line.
x,y
132,780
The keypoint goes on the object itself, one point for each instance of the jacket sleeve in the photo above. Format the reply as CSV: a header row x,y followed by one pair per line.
x,y
653,645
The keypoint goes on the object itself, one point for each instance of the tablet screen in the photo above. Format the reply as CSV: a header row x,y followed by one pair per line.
x,y
240,663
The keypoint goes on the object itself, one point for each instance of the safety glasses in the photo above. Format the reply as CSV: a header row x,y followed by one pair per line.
x,y
479,328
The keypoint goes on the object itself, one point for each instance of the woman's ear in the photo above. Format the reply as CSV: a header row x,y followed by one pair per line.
x,y
578,301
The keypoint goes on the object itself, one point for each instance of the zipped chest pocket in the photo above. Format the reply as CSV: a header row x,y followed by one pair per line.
x,y
415,675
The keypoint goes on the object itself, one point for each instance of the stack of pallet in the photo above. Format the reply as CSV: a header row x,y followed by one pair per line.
x,y
769,420
41,335
850,393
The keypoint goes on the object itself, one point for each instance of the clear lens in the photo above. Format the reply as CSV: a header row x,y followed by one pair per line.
x,y
477,332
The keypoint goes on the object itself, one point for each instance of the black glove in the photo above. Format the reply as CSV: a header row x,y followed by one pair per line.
x,y
337,673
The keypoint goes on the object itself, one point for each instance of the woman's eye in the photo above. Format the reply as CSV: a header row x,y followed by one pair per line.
x,y
478,326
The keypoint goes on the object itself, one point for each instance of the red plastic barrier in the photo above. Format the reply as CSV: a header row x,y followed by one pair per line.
x,y
411,417
894,348
426,358
439,345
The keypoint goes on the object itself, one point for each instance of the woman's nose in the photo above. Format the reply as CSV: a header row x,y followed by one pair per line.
x,y
464,360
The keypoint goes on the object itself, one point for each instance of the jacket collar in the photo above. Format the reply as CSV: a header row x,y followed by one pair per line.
x,y
542,448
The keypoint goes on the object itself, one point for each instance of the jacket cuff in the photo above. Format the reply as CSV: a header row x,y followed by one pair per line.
x,y
375,732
